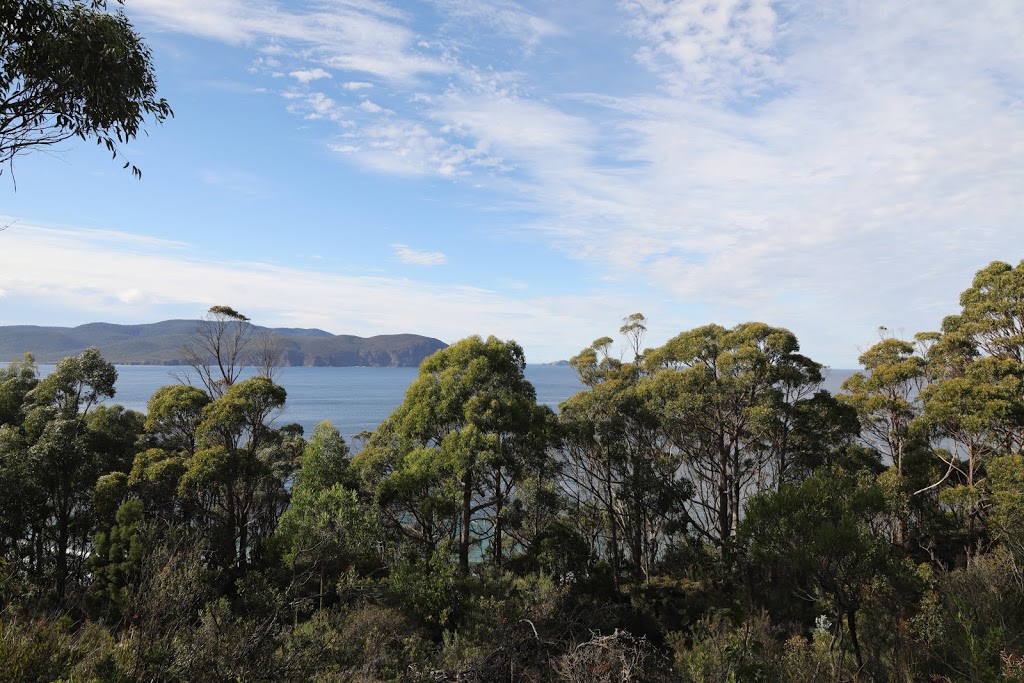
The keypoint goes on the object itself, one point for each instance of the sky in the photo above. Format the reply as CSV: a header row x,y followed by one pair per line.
x,y
540,170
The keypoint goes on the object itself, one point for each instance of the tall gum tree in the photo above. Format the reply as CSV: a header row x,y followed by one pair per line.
x,y
66,443
617,465
886,395
727,395
224,344
975,401
449,458
237,478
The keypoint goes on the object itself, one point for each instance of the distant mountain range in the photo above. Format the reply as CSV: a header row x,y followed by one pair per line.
x,y
161,344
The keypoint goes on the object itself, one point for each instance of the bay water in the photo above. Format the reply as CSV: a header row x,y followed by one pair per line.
x,y
354,398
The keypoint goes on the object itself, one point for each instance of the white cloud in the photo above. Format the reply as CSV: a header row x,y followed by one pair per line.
x,y
131,296
407,254
707,46
96,279
367,37
357,85
408,147
832,166
506,18
316,106
308,75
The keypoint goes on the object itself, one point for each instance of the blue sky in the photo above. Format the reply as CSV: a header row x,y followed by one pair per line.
x,y
539,170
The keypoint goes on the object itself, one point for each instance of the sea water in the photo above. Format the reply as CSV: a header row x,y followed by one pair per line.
x,y
353,399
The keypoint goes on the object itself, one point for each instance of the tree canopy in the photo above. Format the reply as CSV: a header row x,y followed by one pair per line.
x,y
72,69
701,511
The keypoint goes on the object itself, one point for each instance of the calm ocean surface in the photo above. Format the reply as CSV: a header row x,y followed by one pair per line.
x,y
354,399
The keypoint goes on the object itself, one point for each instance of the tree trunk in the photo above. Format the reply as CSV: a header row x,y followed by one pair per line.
x,y
498,504
851,623
723,498
614,525
62,555
467,515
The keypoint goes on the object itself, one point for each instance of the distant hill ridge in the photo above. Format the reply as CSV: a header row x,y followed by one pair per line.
x,y
161,344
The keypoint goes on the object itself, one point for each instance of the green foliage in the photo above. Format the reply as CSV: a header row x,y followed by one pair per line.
x,y
820,539
428,589
970,624
993,312
730,399
173,415
451,457
54,459
116,560
701,513
886,398
53,648
717,651
68,68
366,643
16,381
325,460
328,533
1006,484
234,484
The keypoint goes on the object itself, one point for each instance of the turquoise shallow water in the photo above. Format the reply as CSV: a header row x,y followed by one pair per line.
x,y
354,399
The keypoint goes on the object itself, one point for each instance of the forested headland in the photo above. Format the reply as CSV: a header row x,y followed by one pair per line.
x,y
703,511
169,343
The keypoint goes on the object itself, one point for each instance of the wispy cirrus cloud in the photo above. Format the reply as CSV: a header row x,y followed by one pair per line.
x,y
407,254
503,17
358,36
848,163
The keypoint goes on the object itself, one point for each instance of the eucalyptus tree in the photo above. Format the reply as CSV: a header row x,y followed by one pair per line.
x,y
237,479
449,460
66,442
975,402
173,418
727,400
224,344
327,529
820,539
71,69
988,336
887,397
617,464
16,381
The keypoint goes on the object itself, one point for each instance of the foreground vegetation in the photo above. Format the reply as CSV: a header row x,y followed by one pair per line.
x,y
702,512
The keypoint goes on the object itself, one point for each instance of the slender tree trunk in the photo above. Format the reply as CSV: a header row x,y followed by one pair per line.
x,y
323,571
467,514
62,554
243,544
613,523
638,532
851,623
498,504
723,497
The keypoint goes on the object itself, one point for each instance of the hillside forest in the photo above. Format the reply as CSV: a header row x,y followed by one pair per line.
x,y
702,511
